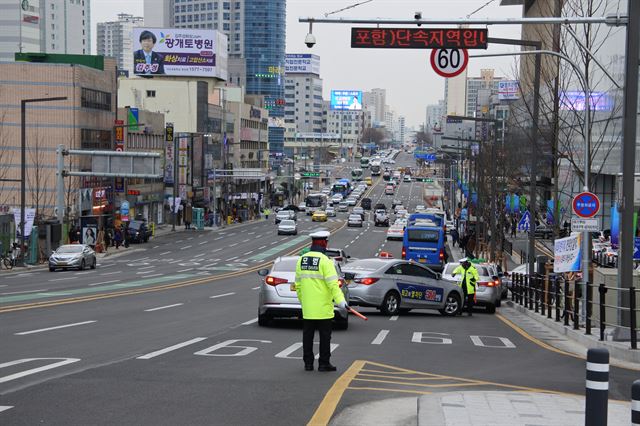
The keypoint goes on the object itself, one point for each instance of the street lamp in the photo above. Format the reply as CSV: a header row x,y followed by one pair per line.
x,y
23,160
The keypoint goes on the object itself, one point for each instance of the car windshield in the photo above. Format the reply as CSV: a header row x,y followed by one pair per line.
x,y
287,223
76,248
288,264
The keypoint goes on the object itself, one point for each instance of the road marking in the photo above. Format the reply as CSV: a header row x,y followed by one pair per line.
x,y
233,245
221,295
327,407
5,407
246,241
260,248
24,291
171,348
218,249
219,238
200,255
105,282
151,276
179,241
185,247
250,321
394,318
24,333
146,267
248,253
231,258
164,307
251,233
112,273
185,270
64,361
255,288
166,252
380,337
62,279
190,238
203,242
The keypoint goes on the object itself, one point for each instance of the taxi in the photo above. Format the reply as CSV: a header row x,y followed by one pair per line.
x,y
319,216
368,181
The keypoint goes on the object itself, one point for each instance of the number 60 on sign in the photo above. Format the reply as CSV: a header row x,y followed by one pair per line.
x,y
449,62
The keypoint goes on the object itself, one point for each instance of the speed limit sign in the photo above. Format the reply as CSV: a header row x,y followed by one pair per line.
x,y
449,62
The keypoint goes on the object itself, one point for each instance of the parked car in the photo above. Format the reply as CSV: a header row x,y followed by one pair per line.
x,y
488,288
354,220
288,227
277,296
138,231
285,215
72,256
394,286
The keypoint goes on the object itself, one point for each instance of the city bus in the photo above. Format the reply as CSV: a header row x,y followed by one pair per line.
x,y
315,201
342,187
423,241
375,168
364,162
356,174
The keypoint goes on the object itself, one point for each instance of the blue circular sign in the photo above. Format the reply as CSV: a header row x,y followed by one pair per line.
x,y
586,204
124,208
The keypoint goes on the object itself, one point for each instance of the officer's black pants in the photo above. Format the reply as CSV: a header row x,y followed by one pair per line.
x,y
324,330
470,302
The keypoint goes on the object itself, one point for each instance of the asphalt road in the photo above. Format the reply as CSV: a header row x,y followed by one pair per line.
x,y
169,335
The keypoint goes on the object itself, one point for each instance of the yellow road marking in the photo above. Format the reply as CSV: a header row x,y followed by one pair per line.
x,y
441,385
327,407
391,390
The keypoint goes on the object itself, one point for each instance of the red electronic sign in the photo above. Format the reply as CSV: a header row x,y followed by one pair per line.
x,y
419,38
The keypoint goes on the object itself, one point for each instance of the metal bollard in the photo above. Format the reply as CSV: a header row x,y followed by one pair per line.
x,y
531,292
635,403
632,318
576,307
597,387
525,290
557,296
603,290
566,302
588,309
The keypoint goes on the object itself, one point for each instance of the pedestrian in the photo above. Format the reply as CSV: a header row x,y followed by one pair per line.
x,y
470,247
468,283
125,235
318,288
454,237
107,239
188,216
267,212
118,237
514,228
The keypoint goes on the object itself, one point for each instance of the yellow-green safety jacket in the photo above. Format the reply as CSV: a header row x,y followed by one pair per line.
x,y
471,275
317,285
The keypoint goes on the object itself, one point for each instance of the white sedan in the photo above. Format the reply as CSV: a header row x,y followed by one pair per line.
x,y
395,232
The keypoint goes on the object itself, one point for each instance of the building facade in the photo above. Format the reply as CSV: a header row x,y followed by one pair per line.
x,y
115,39
303,93
375,101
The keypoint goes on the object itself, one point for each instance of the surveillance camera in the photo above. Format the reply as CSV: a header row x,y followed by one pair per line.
x,y
417,16
310,40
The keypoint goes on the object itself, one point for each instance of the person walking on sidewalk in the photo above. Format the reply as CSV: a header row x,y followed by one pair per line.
x,y
514,228
118,237
454,237
188,216
317,288
468,283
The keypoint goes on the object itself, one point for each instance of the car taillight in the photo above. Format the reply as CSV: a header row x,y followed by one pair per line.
x,y
271,280
441,254
366,281
487,284
404,252
496,282
340,282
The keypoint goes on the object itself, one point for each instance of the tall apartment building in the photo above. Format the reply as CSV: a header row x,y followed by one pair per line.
x,y
487,80
435,116
375,101
303,93
115,39
44,26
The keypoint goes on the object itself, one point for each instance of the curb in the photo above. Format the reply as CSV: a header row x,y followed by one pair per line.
x,y
615,350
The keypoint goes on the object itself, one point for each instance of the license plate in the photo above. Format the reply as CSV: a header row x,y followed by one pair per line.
x,y
422,260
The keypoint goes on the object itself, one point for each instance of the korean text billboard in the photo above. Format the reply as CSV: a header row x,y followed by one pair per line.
x,y
508,89
301,63
179,51
346,100
575,101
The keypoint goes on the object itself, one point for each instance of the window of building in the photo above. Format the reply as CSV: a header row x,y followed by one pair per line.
x,y
196,17
226,16
225,27
236,16
196,7
183,8
95,139
95,99
215,6
53,46
177,9
190,18
53,16
236,26
210,16
189,8
203,16
209,25
226,5
209,6
151,93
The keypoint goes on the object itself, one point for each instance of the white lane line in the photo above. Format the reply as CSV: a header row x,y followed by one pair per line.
x,y
105,282
255,288
171,348
62,279
185,247
259,236
248,253
151,276
162,254
144,272
200,255
164,307
219,238
233,245
380,337
185,270
232,258
146,267
155,247
5,407
251,233
179,241
112,273
246,241
250,321
260,248
190,238
218,249
275,242
347,246
394,318
24,291
203,242
24,333
221,295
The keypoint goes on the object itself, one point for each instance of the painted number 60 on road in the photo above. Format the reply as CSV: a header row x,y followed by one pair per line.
x,y
449,62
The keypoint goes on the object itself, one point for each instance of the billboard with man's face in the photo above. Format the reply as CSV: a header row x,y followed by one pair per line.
x,y
179,51
350,100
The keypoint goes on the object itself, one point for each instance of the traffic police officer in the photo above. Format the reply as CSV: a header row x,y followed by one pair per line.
x,y
317,287
468,283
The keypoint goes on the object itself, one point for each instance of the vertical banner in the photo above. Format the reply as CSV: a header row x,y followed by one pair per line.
x,y
508,203
567,254
29,216
516,204
183,161
550,219
168,154
615,226
133,119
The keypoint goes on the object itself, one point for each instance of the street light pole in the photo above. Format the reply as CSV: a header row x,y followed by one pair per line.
x,y
23,161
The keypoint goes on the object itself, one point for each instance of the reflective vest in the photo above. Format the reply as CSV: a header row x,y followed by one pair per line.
x,y
317,285
469,276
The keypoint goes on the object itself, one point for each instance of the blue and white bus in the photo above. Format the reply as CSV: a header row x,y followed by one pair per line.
x,y
423,241
342,187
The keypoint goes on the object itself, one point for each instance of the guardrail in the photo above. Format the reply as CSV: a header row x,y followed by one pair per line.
x,y
554,296
605,260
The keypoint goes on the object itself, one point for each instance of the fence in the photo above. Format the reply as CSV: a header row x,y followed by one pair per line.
x,y
555,297
605,260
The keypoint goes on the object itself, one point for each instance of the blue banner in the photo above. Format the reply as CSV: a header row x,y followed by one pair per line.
x,y
615,226
516,204
508,203
550,212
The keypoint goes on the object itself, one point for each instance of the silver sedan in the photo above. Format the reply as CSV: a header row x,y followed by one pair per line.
x,y
394,285
72,256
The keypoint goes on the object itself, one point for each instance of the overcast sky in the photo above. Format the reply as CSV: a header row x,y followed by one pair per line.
x,y
406,74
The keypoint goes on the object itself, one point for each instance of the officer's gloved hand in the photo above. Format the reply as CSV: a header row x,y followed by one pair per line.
x,y
343,305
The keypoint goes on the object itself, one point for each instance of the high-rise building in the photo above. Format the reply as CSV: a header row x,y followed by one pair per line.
x,y
115,39
435,116
375,102
487,80
44,26
303,93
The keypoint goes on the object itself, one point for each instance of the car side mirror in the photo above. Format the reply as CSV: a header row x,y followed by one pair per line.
x,y
349,275
263,272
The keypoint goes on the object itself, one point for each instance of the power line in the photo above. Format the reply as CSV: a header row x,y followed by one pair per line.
x,y
349,7
480,8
